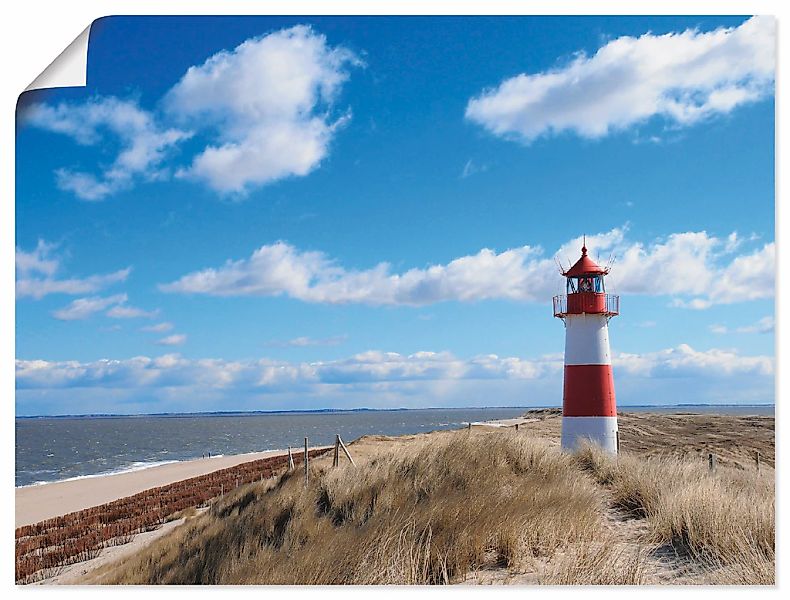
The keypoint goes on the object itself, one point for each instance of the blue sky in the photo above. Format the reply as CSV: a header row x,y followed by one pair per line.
x,y
268,213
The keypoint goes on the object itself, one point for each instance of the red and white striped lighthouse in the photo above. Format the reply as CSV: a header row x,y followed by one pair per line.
x,y
588,403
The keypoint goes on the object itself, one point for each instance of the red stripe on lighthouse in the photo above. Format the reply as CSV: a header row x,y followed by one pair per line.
x,y
588,391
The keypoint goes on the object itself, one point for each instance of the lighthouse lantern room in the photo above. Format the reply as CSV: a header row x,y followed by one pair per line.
x,y
589,411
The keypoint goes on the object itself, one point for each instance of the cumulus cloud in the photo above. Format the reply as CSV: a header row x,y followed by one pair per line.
x,y
269,102
281,269
144,144
36,275
264,111
82,308
694,268
685,361
177,339
377,379
681,77
173,370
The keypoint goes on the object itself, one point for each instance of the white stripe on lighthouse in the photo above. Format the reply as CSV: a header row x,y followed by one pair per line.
x,y
587,340
600,430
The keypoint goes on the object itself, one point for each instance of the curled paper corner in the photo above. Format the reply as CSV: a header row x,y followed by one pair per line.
x,y
69,69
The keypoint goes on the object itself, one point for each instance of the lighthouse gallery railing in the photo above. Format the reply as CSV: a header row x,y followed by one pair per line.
x,y
586,302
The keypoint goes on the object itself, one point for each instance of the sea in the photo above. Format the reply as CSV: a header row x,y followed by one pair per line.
x,y
60,448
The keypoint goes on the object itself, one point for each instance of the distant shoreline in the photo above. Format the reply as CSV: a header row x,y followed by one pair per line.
x,y
242,413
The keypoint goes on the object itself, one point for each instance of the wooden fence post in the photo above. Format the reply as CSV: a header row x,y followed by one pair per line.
x,y
711,461
516,426
306,463
348,454
291,466
469,428
336,459
757,460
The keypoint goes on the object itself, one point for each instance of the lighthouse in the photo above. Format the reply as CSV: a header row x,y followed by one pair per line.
x,y
589,411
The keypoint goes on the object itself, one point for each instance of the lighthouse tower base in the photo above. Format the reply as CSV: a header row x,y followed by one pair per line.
x,y
598,430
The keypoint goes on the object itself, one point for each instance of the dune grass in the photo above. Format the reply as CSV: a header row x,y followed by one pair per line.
x,y
429,514
447,505
722,520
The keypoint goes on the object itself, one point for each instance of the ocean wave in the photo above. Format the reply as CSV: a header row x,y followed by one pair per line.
x,y
138,466
135,466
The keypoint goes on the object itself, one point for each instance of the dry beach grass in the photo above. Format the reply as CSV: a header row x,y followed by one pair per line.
x,y
486,505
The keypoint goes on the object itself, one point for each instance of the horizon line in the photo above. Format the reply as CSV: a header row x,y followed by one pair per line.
x,y
358,409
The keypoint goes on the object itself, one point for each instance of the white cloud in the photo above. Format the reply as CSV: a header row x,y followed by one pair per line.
x,y
36,275
681,77
369,367
269,102
281,269
172,383
471,168
82,308
158,328
693,268
684,361
177,339
266,107
144,143
85,185
764,325
125,311
39,261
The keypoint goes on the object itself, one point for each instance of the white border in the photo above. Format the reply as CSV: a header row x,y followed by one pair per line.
x,y
33,32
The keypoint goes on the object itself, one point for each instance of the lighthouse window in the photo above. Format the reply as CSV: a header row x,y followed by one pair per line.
x,y
598,284
593,283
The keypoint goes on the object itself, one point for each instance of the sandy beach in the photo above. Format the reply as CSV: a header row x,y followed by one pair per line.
x,y
38,502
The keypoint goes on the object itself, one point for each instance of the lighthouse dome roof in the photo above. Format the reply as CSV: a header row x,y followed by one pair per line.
x,y
585,266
